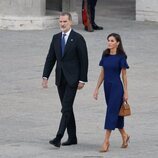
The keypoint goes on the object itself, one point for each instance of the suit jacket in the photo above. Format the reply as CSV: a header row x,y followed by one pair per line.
x,y
73,64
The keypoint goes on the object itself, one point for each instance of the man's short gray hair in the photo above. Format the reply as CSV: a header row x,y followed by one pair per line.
x,y
66,13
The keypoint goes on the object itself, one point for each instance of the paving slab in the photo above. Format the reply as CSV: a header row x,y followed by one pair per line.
x,y
29,115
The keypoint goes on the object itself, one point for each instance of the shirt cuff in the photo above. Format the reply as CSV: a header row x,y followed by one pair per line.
x,y
81,81
45,78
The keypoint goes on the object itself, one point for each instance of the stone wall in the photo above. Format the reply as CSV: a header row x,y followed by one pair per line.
x,y
34,14
22,7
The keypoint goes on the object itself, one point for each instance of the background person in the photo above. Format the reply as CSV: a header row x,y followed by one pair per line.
x,y
92,4
88,15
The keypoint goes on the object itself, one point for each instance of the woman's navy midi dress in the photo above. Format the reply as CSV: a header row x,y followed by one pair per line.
x,y
113,89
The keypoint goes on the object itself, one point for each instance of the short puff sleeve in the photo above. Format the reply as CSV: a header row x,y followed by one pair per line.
x,y
123,63
101,62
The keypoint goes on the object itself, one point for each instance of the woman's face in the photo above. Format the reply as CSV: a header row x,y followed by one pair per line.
x,y
112,43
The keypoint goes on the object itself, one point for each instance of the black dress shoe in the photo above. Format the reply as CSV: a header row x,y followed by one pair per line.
x,y
56,142
96,27
69,142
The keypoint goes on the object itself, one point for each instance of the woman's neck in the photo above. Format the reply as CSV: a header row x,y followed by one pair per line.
x,y
113,52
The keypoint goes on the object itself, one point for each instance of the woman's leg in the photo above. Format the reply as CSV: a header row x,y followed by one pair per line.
x,y
107,136
106,142
125,138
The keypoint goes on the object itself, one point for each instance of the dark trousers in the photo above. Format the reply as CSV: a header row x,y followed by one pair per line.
x,y
67,95
92,4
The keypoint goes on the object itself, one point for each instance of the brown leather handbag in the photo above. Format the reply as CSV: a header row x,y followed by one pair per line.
x,y
125,109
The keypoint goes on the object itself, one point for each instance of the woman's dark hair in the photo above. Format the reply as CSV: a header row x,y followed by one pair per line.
x,y
119,50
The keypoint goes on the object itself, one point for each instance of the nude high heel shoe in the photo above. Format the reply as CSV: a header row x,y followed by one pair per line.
x,y
105,147
125,144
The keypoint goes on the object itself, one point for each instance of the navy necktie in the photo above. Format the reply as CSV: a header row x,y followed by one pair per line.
x,y
63,44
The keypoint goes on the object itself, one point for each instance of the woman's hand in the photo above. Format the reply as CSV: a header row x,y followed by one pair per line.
x,y
95,94
125,96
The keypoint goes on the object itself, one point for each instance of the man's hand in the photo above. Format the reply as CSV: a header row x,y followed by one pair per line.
x,y
45,83
80,85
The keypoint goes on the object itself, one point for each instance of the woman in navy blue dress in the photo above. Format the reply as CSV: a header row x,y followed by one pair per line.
x,y
113,65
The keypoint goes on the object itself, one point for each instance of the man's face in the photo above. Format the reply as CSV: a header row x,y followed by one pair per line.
x,y
65,23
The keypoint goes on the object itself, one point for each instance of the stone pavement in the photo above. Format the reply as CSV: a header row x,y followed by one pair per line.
x,y
29,115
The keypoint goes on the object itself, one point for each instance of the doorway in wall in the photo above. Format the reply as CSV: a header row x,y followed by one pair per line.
x,y
53,6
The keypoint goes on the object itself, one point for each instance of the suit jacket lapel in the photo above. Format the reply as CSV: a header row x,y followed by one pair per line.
x,y
58,45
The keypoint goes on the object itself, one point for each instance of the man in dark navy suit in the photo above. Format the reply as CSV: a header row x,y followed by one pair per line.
x,y
69,51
